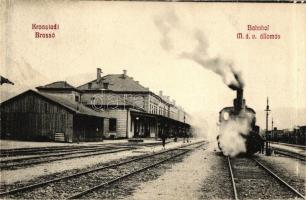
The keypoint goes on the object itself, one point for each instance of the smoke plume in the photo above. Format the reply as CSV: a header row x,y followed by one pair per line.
x,y
233,134
192,44
166,24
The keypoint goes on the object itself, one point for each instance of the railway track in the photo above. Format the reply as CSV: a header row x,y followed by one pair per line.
x,y
290,145
7,153
48,154
22,162
78,184
252,179
289,154
40,150
35,150
52,153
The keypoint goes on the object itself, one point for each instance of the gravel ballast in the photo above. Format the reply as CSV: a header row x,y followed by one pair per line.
x,y
291,170
253,182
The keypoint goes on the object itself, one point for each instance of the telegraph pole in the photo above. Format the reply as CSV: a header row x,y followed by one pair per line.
x,y
267,124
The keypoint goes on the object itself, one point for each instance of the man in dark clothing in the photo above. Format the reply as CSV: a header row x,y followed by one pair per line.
x,y
262,146
163,137
175,138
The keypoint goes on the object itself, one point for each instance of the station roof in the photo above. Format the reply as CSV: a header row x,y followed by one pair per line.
x,y
58,85
116,82
145,114
69,104
120,83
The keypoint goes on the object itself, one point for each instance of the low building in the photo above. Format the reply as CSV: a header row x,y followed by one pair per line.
x,y
40,116
296,135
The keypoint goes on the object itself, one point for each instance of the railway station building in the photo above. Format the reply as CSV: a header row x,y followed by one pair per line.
x,y
132,110
111,106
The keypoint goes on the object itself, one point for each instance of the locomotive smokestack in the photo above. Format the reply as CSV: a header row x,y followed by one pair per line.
x,y
239,102
240,96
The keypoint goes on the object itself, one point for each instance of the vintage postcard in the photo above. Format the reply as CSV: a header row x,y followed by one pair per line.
x,y
152,100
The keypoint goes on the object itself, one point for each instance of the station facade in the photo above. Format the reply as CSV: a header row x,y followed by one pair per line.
x,y
132,110
110,106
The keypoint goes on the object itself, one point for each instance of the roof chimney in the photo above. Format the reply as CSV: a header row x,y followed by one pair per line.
x,y
124,73
160,93
99,72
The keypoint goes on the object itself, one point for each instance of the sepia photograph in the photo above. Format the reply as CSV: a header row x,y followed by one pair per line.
x,y
152,100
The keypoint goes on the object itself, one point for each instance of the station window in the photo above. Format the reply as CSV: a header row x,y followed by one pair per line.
x,y
105,85
92,99
112,124
77,98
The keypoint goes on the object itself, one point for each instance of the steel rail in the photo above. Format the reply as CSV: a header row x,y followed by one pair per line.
x,y
232,178
31,186
63,158
34,152
23,151
78,156
290,145
289,154
52,154
124,176
279,179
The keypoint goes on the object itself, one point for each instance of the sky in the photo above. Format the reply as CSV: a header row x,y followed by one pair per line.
x,y
149,39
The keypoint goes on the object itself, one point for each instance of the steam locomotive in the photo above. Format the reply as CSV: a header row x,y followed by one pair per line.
x,y
253,142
